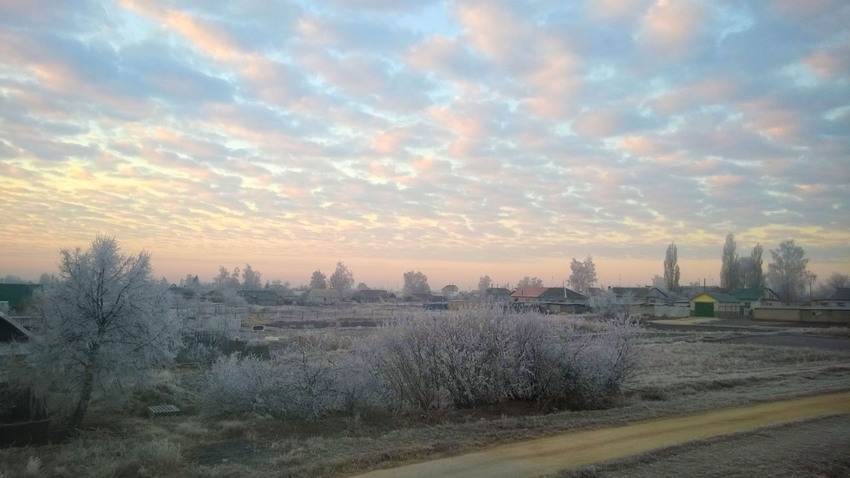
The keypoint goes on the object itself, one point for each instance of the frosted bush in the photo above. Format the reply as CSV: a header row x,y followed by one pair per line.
x,y
304,380
608,306
432,360
487,355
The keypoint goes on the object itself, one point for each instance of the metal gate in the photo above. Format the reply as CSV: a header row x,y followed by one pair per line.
x,y
704,309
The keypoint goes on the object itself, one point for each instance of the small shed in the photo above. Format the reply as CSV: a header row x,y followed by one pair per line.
x,y
715,304
11,330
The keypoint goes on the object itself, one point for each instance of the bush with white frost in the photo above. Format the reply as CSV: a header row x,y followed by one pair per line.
x,y
487,355
431,361
306,379
607,305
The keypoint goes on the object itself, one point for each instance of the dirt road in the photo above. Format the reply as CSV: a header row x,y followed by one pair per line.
x,y
550,455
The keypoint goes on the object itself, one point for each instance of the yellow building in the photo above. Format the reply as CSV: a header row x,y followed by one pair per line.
x,y
715,304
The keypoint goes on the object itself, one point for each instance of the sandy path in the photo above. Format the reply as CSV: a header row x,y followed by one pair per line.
x,y
550,455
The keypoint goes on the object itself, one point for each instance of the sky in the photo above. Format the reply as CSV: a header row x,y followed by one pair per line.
x,y
459,138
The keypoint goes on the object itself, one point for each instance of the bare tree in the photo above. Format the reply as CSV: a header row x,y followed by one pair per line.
x,y
529,282
787,273
318,280
342,279
415,282
729,270
107,321
583,275
671,269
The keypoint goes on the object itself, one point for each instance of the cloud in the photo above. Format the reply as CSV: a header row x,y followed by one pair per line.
x,y
494,132
541,59
614,9
830,64
670,27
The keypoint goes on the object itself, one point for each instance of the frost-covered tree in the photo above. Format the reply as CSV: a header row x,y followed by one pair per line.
x,y
318,280
608,306
484,283
225,281
106,322
658,281
415,282
755,274
729,270
835,281
671,269
251,279
190,281
787,273
583,275
529,282
342,279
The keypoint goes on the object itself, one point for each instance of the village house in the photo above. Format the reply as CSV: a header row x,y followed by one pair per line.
x,y
641,296
840,299
553,300
371,296
263,297
322,297
450,291
497,294
752,298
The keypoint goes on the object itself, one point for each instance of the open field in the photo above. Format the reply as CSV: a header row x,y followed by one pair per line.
x,y
680,372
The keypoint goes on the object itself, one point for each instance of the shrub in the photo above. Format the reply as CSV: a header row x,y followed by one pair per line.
x,y
431,361
306,379
487,355
608,306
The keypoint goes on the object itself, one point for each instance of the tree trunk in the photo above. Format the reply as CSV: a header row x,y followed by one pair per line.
x,y
85,391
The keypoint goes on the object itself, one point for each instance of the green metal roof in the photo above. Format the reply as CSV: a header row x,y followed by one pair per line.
x,y
752,293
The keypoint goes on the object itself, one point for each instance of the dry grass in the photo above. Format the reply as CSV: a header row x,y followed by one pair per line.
x,y
674,377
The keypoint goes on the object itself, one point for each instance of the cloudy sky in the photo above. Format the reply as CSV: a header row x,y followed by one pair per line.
x,y
457,138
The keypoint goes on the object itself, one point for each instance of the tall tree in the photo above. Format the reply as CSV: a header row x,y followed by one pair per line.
x,y
342,279
107,321
729,271
583,275
671,268
529,282
318,280
755,276
415,282
484,283
745,271
787,272
251,279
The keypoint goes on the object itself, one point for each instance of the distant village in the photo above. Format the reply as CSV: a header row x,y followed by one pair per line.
x,y
648,302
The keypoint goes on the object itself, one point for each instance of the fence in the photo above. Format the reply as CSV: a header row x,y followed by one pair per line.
x,y
792,314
